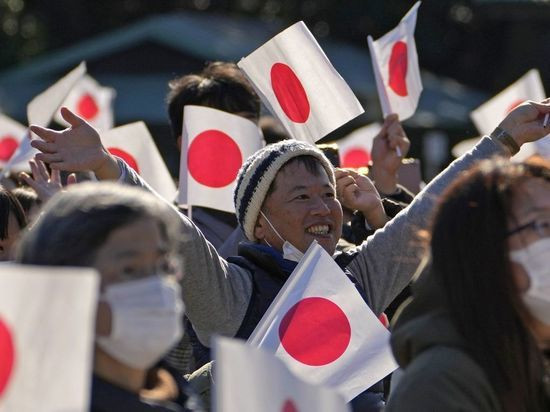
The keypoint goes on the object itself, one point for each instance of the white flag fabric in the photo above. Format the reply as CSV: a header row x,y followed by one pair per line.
x,y
134,144
40,112
217,145
91,101
11,134
47,324
249,379
355,148
299,85
323,330
487,116
395,65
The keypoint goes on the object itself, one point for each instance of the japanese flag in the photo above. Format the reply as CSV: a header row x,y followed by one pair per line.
x,y
92,102
133,144
488,116
298,84
395,66
355,149
217,145
322,329
40,112
11,134
249,379
47,324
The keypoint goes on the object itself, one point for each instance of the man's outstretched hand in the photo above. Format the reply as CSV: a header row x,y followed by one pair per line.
x,y
75,149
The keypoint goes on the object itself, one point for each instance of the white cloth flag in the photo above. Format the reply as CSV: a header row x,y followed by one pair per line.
x,y
217,145
249,379
395,66
47,324
92,102
297,82
11,135
323,330
134,144
488,116
355,148
40,112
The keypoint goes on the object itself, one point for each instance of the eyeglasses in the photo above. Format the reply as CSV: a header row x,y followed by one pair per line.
x,y
541,226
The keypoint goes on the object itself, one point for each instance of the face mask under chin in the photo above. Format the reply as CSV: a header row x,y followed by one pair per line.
x,y
290,252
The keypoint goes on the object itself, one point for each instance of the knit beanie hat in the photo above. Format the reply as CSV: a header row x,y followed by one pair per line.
x,y
259,171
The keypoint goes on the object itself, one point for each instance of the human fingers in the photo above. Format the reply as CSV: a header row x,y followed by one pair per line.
x,y
43,146
49,157
34,170
73,119
71,179
56,176
46,134
43,170
29,181
339,173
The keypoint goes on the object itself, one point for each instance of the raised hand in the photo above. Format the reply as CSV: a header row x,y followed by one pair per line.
x,y
356,192
44,184
525,123
386,160
77,148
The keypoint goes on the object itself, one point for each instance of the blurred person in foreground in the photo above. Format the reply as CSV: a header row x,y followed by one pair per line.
x,y
130,237
476,335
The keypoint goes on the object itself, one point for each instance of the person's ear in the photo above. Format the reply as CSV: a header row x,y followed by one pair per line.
x,y
260,228
178,142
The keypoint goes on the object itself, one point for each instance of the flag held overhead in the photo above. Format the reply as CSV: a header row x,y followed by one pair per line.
x,y
134,144
395,65
299,85
214,146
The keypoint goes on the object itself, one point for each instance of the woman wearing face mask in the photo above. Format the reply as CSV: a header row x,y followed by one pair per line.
x,y
129,237
476,335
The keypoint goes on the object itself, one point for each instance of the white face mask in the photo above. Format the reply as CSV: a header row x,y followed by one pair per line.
x,y
146,320
290,252
536,262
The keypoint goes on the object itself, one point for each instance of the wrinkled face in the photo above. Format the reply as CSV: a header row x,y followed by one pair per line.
x,y
531,203
7,244
303,207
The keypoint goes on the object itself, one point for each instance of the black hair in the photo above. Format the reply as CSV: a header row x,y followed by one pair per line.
x,y
9,205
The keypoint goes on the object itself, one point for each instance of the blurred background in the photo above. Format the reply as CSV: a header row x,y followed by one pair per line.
x,y
468,51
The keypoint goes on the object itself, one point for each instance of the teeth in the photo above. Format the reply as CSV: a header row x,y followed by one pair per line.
x,y
318,229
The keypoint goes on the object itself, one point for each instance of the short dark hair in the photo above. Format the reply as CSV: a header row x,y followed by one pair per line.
x,y
10,205
27,197
220,85
312,165
470,262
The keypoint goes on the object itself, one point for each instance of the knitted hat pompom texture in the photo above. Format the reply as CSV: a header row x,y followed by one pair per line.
x,y
259,171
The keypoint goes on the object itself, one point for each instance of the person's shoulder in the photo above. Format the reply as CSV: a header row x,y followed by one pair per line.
x,y
443,378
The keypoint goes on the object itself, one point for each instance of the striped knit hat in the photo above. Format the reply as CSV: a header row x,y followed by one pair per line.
x,y
259,171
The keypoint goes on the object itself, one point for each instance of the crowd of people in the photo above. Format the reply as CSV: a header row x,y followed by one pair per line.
x,y
465,260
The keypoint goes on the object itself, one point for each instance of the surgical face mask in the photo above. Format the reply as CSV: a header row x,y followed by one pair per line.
x,y
146,320
534,259
290,252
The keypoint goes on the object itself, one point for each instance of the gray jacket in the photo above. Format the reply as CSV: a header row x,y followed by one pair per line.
x,y
217,293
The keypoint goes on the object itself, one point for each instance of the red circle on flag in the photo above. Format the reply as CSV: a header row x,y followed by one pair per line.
x,y
290,93
214,158
127,157
513,106
8,145
289,406
7,355
355,158
398,66
315,331
87,106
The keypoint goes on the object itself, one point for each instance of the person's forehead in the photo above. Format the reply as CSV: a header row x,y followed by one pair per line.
x,y
532,197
